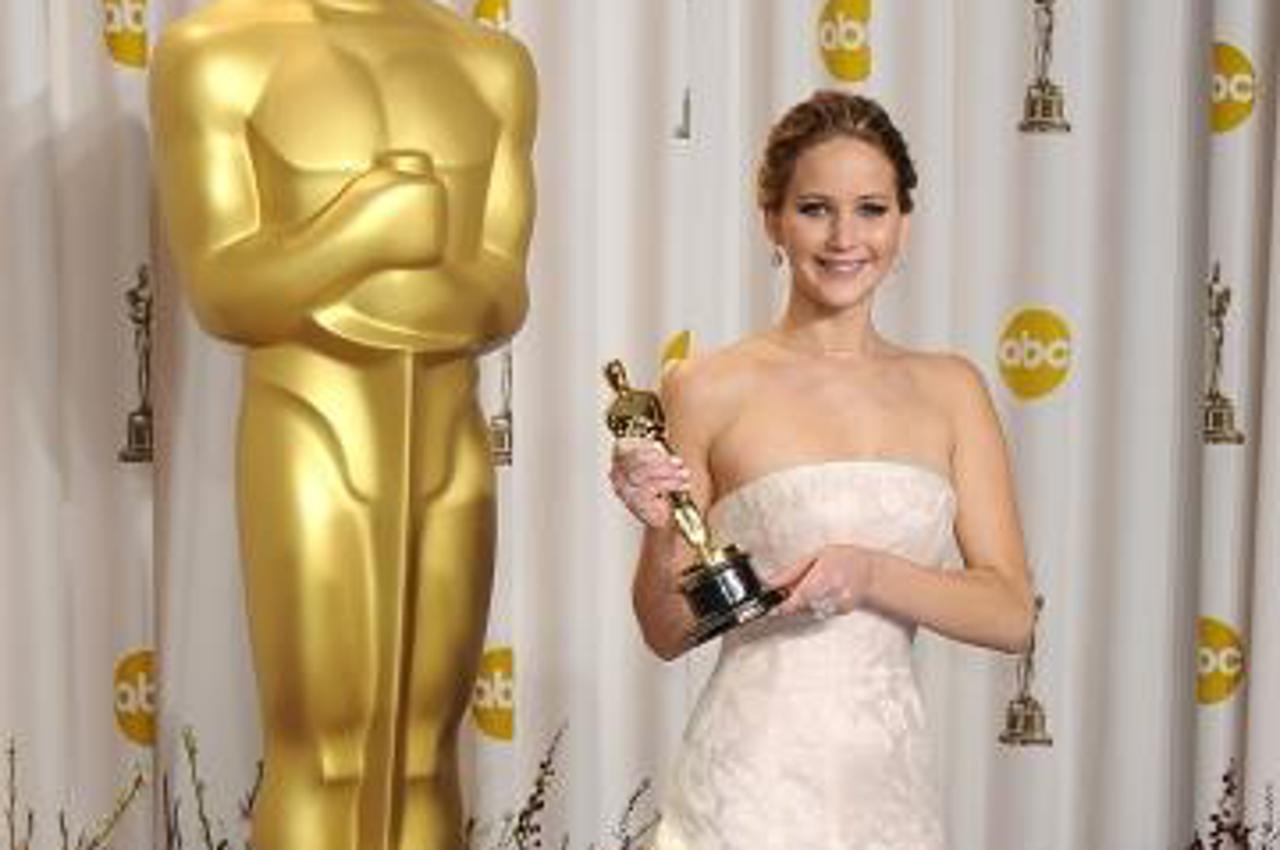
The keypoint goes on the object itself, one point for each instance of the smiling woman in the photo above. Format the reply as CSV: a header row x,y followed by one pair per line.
x,y
854,470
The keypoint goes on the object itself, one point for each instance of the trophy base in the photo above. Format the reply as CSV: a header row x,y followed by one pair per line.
x,y
1044,110
500,439
1220,421
139,447
1024,724
724,594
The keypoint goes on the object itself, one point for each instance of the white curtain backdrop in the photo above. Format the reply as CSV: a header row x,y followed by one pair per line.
x,y
1073,268
77,684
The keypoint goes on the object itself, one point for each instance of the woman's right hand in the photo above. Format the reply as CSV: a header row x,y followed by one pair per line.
x,y
642,474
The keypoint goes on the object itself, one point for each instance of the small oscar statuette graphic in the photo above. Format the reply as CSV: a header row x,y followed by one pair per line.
x,y
1044,107
1219,411
1025,723
500,431
721,587
139,427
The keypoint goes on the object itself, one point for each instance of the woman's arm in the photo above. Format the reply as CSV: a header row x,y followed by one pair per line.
x,y
642,475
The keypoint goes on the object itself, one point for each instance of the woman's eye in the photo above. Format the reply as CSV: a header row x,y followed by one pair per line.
x,y
872,210
812,208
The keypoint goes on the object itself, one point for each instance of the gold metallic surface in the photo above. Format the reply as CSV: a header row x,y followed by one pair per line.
x,y
348,191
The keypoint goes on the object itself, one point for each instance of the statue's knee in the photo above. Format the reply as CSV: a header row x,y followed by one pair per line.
x,y
341,758
429,755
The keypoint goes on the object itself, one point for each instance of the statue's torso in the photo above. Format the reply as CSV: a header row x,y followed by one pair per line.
x,y
335,98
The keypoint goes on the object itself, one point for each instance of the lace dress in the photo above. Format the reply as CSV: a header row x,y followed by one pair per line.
x,y
810,735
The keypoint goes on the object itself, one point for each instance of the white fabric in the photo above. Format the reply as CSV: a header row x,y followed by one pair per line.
x,y
811,733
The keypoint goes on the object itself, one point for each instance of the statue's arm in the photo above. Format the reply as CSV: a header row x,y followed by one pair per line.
x,y
252,281
495,276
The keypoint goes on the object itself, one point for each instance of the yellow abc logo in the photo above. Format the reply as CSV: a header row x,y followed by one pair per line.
x,y
1219,661
1234,88
125,28
135,696
1035,352
494,13
493,703
843,39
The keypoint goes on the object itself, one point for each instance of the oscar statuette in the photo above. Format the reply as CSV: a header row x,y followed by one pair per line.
x,y
1025,723
720,586
139,427
1044,107
1219,411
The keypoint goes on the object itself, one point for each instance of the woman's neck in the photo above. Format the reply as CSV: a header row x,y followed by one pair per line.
x,y
848,335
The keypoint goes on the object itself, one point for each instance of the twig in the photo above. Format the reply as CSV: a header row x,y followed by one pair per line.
x,y
172,811
193,753
250,800
124,799
11,804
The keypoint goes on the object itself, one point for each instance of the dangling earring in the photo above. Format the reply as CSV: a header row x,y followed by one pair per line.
x,y
777,257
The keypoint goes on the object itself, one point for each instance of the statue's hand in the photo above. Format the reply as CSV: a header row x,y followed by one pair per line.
x,y
403,208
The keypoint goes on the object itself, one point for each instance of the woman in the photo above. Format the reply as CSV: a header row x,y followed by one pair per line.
x,y
850,467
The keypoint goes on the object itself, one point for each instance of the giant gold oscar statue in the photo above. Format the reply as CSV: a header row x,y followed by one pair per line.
x,y
348,192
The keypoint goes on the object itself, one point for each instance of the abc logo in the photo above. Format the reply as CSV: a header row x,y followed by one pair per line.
x,y
1219,661
1035,352
493,704
493,13
135,696
1234,87
125,29
843,39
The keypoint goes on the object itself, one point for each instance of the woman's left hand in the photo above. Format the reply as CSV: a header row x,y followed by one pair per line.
x,y
833,581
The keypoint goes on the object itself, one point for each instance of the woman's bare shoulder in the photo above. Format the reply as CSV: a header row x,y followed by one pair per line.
x,y
947,376
711,385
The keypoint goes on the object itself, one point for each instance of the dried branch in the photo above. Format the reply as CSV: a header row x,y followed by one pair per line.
x,y
124,799
11,803
193,754
172,812
250,800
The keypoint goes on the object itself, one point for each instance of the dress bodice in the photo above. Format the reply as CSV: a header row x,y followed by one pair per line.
x,y
810,734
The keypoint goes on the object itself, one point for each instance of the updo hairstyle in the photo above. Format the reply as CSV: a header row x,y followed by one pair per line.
x,y
826,115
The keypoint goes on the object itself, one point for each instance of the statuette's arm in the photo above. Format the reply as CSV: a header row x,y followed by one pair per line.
x,y
252,282
499,267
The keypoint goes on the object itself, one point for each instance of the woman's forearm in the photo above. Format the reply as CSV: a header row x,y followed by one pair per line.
x,y
977,605
663,614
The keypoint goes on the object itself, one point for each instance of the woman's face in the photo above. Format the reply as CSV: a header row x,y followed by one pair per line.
x,y
839,224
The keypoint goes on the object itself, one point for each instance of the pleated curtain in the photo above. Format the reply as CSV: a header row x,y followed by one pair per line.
x,y
1111,280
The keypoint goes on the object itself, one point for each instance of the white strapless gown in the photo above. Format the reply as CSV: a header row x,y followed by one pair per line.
x,y
810,735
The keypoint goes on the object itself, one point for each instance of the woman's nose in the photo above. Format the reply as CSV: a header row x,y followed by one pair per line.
x,y
843,232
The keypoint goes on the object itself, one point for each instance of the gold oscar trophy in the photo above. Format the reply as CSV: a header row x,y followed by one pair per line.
x,y
139,444
720,587
1025,722
1219,411
348,192
1044,106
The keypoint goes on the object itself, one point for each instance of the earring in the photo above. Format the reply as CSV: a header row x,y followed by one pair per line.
x,y
777,257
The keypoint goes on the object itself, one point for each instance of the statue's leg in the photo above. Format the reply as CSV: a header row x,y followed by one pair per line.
x,y
454,574
307,566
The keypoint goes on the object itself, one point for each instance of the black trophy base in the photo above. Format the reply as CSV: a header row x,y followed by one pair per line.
x,y
724,594
1044,109
1024,724
139,446
1220,421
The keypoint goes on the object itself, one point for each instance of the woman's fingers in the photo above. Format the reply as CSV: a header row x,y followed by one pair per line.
x,y
642,474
